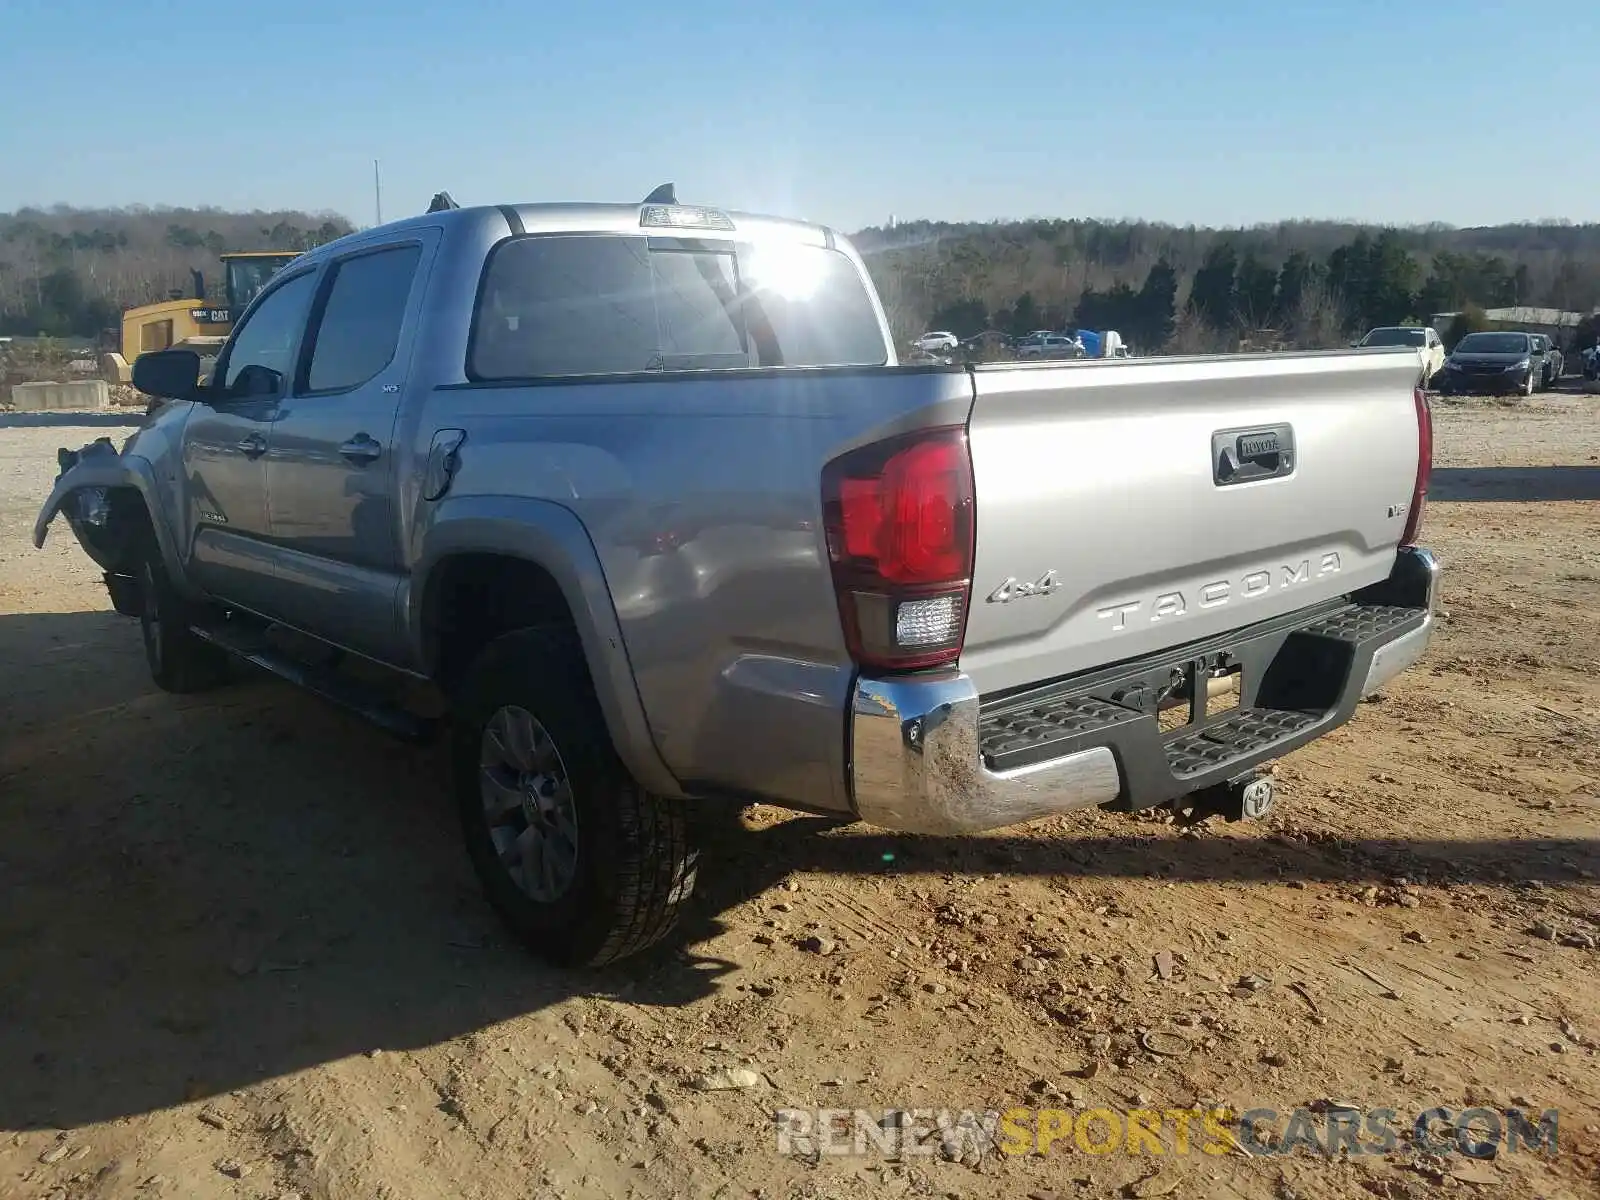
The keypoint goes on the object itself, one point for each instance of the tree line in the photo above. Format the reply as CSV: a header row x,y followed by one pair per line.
x,y
71,272
67,272
1165,288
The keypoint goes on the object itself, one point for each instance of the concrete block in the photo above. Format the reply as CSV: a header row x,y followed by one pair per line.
x,y
43,397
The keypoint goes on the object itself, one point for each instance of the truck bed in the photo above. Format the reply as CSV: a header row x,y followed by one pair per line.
x,y
1107,481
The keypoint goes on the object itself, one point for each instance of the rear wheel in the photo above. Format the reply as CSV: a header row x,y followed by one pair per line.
x,y
178,660
584,865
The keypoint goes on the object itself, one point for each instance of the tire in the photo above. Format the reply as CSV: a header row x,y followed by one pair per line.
x,y
179,661
581,863
1527,388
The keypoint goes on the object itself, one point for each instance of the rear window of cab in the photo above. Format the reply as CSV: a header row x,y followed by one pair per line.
x,y
572,305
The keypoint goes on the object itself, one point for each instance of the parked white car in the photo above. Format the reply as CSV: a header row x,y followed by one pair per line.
x,y
933,343
1423,337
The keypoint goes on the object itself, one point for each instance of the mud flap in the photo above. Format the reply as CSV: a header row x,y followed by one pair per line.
x,y
126,596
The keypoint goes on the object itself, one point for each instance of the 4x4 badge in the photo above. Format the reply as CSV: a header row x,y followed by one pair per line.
x,y
1015,589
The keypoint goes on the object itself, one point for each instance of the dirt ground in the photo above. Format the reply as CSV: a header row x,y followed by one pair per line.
x,y
241,953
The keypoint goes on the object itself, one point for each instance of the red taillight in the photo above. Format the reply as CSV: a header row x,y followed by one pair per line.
x,y
899,520
1419,492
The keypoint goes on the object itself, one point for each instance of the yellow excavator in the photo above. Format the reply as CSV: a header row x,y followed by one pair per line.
x,y
192,322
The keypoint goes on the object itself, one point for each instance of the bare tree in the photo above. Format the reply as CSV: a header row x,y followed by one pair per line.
x,y
905,321
1317,320
89,263
1193,335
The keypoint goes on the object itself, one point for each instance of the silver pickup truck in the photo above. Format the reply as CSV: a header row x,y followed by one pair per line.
x,y
641,493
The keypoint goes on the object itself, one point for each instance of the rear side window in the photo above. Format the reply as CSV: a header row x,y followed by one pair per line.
x,y
360,324
609,305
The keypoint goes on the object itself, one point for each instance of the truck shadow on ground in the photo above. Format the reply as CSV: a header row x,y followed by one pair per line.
x,y
1514,484
204,893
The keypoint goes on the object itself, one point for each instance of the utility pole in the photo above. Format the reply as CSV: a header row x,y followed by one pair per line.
x,y
377,191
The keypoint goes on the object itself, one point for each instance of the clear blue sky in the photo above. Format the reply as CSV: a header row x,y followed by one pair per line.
x,y
842,111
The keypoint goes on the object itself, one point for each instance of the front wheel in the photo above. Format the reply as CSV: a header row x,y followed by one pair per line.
x,y
583,864
179,661
1527,388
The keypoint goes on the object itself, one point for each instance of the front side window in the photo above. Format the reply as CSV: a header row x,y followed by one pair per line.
x,y
360,324
605,305
261,357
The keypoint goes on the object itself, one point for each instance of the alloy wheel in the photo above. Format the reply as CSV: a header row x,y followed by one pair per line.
x,y
528,804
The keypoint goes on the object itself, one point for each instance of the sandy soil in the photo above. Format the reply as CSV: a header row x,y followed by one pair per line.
x,y
241,954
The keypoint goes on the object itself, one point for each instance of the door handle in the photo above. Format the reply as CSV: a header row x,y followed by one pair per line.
x,y
361,450
252,445
1247,455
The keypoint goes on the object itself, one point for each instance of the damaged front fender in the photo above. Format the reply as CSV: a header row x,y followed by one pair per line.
x,y
86,478
109,500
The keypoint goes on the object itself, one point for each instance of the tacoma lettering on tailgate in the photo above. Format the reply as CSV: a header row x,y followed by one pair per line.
x,y
1169,605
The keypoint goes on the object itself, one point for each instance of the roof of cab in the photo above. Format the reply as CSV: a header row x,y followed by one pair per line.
x,y
598,218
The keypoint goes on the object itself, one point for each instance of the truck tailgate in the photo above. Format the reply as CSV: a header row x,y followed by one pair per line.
x,y
1127,507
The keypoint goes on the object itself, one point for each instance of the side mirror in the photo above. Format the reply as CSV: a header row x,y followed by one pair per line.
x,y
255,382
168,374
1356,345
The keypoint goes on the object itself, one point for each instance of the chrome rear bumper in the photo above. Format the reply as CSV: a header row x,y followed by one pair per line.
x,y
917,765
1415,570
918,762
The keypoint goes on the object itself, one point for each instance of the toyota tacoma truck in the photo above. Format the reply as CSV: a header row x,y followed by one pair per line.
x,y
641,494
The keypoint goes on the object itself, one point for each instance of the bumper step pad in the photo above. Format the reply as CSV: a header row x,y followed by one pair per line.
x,y
1360,624
1242,732
1301,675
1008,735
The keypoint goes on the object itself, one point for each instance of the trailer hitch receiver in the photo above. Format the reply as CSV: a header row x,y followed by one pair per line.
x,y
1249,796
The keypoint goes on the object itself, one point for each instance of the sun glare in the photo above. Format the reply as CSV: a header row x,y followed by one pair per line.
x,y
793,272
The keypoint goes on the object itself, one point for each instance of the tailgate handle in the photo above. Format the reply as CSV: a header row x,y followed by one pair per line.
x,y
1246,455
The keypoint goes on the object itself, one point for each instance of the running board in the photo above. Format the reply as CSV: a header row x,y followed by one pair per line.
x,y
251,646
